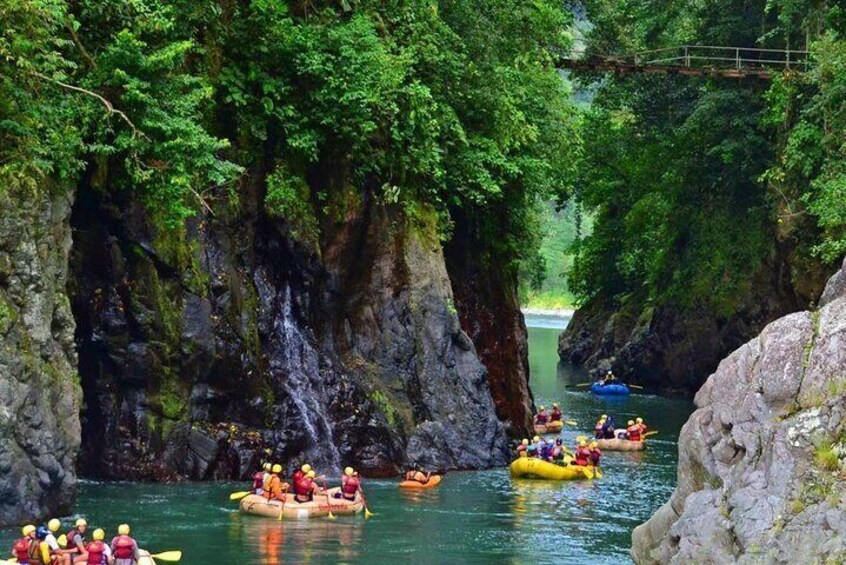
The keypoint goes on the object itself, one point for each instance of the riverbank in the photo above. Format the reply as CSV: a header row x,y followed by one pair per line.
x,y
548,312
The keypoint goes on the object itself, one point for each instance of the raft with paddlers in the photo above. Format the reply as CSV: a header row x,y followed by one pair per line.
x,y
533,468
550,427
433,481
321,506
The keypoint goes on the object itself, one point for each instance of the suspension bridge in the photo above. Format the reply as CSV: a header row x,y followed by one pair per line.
x,y
697,60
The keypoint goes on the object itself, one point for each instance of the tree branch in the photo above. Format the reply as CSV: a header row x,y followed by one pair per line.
x,y
112,110
80,46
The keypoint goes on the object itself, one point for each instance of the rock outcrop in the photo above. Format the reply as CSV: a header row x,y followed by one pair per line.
x,y
253,338
39,392
762,461
669,348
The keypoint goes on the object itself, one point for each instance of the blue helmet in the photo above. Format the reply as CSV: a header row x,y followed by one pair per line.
x,y
42,532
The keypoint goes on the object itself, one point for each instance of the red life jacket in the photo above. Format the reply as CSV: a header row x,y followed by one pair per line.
x,y
556,415
71,534
633,432
541,418
595,454
258,480
583,456
124,547
351,486
21,549
303,487
297,476
95,550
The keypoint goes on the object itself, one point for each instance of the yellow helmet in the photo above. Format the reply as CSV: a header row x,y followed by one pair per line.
x,y
28,529
277,468
639,420
98,534
555,405
80,522
349,471
602,420
54,525
542,408
525,442
268,466
631,423
311,474
582,443
123,529
594,444
604,417
536,439
305,468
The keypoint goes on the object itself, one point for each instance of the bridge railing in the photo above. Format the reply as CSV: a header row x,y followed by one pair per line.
x,y
714,56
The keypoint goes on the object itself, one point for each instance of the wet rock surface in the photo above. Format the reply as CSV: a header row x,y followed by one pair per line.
x,y
203,357
762,461
39,394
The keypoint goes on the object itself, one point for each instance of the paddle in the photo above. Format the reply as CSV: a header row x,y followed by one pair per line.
x,y
571,422
588,472
328,501
583,384
282,508
647,434
598,472
635,386
367,512
169,556
239,495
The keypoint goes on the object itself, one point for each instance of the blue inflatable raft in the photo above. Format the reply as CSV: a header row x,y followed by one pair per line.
x,y
610,389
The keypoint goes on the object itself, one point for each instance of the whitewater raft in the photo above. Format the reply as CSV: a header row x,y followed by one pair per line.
x,y
291,509
549,427
533,468
145,558
433,481
620,445
609,389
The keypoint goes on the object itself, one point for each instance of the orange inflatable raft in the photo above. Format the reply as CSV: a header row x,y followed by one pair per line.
x,y
317,508
433,481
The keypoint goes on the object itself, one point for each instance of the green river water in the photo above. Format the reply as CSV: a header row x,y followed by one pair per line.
x,y
473,517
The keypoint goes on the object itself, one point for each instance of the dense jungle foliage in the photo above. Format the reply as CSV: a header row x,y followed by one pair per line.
x,y
451,104
696,182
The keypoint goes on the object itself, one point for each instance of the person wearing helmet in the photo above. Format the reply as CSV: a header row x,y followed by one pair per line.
x,y
416,474
632,431
21,547
259,479
641,425
599,428
350,485
609,430
300,473
124,549
546,451
582,453
522,447
555,415
610,378
96,551
595,453
76,539
541,418
58,555
38,552
306,488
276,489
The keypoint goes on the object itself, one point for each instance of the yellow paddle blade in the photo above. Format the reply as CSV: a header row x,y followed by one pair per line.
x,y
650,433
588,472
598,473
331,516
63,540
571,423
367,513
635,386
239,495
170,556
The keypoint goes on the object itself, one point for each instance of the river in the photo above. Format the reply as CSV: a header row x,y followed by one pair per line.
x,y
473,517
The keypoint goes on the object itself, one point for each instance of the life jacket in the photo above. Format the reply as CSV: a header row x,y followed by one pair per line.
x,y
297,476
258,480
72,534
21,549
541,418
124,547
34,553
351,487
633,432
95,550
302,488
265,484
582,456
274,488
556,415
642,428
520,448
557,453
595,454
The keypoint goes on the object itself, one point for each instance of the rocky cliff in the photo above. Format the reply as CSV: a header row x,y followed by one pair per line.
x,y
39,391
671,348
763,458
332,339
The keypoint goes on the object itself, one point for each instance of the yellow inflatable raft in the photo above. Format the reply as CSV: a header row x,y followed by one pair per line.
x,y
620,445
549,427
533,468
317,508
